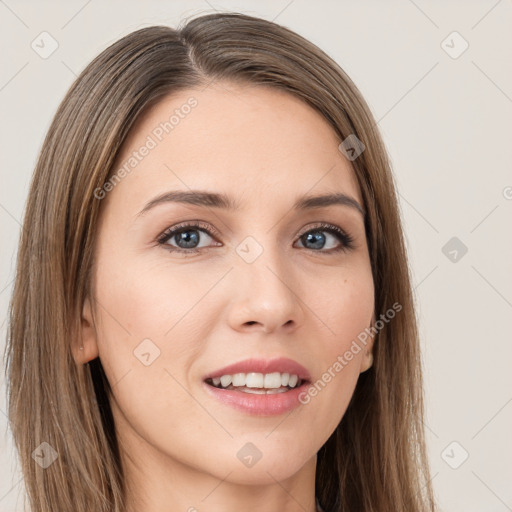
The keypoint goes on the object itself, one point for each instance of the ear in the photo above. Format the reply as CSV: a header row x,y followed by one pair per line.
x,y
367,358
85,349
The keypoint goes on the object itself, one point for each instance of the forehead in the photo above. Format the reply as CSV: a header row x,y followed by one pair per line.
x,y
244,140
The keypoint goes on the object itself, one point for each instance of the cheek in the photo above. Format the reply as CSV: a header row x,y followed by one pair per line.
x,y
154,321
147,342
345,305
346,311
149,300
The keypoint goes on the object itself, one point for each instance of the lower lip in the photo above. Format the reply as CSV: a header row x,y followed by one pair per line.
x,y
261,405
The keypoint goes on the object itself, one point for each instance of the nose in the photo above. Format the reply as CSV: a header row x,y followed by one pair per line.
x,y
266,295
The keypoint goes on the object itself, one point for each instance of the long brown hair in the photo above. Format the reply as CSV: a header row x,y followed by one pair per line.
x,y
375,460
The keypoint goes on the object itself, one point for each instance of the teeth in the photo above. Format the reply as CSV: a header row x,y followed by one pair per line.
x,y
263,391
272,380
254,380
225,380
239,379
259,381
292,381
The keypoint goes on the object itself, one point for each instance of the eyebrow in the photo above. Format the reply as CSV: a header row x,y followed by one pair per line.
x,y
218,200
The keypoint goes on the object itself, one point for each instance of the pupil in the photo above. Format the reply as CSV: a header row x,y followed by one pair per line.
x,y
317,238
189,241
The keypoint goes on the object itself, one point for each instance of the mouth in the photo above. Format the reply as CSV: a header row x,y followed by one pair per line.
x,y
259,387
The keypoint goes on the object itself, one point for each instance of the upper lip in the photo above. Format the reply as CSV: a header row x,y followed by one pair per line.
x,y
281,364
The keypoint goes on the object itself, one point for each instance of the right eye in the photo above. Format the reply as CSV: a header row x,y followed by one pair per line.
x,y
188,235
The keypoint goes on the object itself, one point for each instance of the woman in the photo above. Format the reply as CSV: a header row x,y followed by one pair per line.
x,y
212,308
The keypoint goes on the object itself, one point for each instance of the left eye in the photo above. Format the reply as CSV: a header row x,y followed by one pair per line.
x,y
317,239
187,238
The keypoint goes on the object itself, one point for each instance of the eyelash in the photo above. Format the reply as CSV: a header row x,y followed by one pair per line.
x,y
347,242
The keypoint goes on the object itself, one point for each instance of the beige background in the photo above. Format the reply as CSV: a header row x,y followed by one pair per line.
x,y
447,124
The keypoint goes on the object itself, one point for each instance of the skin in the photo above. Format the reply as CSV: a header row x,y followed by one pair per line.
x,y
264,148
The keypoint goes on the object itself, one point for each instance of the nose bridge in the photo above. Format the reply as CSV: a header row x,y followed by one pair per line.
x,y
266,291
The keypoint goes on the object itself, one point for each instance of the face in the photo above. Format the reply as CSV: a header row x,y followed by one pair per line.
x,y
184,289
